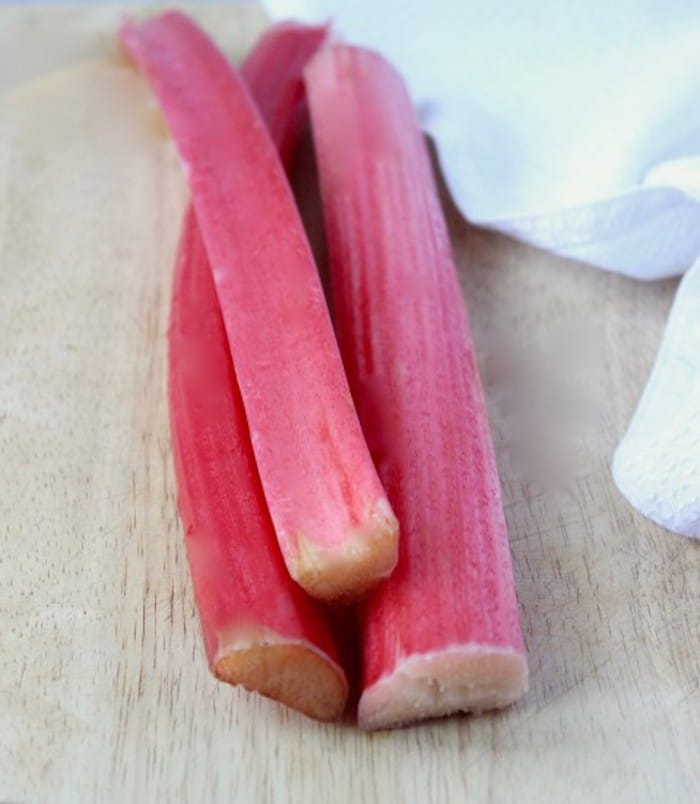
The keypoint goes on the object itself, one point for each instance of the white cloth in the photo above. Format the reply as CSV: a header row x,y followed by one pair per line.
x,y
657,465
572,126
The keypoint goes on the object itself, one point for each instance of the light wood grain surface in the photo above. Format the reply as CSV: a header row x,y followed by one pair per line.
x,y
104,689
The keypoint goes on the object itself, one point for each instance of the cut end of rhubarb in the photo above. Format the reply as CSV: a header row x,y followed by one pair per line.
x,y
345,572
293,674
472,678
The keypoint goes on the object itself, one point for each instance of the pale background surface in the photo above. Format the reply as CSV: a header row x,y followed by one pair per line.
x,y
104,691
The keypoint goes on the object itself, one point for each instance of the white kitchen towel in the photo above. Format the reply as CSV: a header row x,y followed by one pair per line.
x,y
657,465
574,126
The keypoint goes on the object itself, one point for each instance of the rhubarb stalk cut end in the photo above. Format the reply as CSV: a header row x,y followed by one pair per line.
x,y
293,674
344,572
472,678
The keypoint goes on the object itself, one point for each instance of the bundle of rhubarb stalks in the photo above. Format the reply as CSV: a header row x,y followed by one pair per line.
x,y
323,458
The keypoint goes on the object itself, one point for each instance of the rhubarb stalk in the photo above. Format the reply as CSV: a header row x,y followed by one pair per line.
x,y
443,633
260,629
273,72
335,527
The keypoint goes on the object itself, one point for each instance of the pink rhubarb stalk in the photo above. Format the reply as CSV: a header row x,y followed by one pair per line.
x,y
260,629
335,527
273,72
443,633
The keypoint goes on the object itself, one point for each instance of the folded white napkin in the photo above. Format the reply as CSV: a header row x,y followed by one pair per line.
x,y
575,127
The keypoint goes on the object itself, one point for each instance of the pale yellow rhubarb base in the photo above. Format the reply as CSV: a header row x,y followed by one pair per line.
x,y
468,678
344,573
293,673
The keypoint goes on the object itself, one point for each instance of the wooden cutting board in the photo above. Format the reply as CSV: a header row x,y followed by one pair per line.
x,y
104,691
